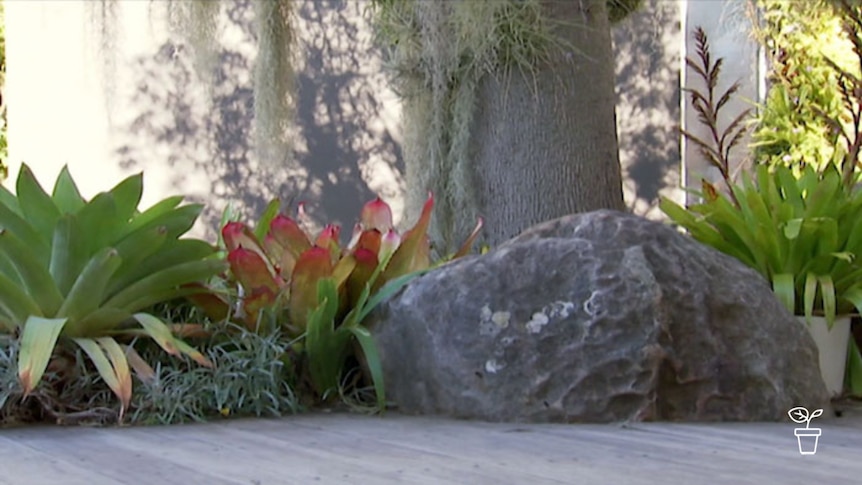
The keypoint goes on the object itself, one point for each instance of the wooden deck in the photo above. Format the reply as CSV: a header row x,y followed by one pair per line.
x,y
352,449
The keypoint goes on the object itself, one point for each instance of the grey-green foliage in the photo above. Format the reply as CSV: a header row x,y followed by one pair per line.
x,y
9,387
251,377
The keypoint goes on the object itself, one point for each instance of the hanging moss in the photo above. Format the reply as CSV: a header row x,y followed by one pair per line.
x,y
273,79
196,24
103,20
438,52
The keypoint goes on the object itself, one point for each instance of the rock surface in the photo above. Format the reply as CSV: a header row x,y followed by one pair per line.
x,y
596,317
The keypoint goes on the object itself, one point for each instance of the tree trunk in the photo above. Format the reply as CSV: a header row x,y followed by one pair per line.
x,y
544,144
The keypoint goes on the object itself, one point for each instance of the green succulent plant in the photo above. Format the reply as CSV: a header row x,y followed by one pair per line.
x,y
799,233
79,272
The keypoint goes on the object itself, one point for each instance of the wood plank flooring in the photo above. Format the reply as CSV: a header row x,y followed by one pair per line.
x,y
353,449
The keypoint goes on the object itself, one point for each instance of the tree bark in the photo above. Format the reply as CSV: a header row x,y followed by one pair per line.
x,y
544,144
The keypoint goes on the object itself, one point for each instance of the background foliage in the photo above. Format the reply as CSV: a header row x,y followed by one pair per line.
x,y
793,127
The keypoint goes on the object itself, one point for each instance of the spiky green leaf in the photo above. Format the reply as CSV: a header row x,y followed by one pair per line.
x,y
15,304
372,360
151,215
35,276
161,334
784,288
325,345
127,195
37,345
111,364
166,279
268,215
36,205
171,253
88,291
98,222
68,253
66,195
16,224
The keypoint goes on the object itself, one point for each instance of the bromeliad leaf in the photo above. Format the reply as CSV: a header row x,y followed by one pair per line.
x,y
9,201
372,359
176,221
16,305
326,346
68,253
134,249
36,278
386,291
66,195
162,335
165,283
88,292
110,361
127,195
38,340
36,205
266,218
152,215
97,220
172,253
15,223
142,369
314,265
783,286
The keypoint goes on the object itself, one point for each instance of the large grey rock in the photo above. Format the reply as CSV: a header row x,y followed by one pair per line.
x,y
601,317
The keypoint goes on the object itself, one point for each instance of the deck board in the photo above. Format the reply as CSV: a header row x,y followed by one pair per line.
x,y
346,449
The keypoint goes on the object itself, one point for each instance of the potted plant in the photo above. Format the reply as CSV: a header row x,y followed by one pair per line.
x,y
799,234
796,227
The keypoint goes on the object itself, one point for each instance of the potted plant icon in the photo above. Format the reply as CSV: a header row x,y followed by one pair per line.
x,y
807,445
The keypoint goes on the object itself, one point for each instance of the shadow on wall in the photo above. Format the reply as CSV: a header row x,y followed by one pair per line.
x,y
347,145
344,145
646,46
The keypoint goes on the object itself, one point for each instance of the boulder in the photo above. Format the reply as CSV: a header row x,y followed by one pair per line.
x,y
596,317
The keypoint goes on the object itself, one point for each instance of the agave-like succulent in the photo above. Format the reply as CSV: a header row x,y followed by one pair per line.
x,y
78,271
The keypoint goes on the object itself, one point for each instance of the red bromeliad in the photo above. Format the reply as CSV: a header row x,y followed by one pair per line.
x,y
282,271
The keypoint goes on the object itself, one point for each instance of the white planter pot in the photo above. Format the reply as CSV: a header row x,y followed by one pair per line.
x,y
832,346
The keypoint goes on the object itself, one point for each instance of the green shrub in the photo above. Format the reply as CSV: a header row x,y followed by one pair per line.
x,y
810,115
